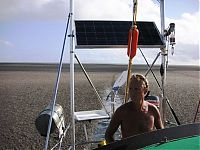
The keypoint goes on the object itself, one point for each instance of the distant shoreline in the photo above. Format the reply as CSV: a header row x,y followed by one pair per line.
x,y
88,67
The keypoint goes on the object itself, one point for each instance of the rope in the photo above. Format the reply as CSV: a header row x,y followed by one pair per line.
x,y
135,4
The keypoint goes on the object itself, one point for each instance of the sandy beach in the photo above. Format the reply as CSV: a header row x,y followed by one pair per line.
x,y
25,92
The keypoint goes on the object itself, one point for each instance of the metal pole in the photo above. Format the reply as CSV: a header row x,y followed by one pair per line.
x,y
197,111
88,78
150,67
128,81
72,73
164,58
52,104
113,94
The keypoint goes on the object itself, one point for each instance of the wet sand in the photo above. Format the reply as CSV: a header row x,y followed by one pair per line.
x,y
25,92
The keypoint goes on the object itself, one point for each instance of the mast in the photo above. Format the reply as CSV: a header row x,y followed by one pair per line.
x,y
164,58
71,35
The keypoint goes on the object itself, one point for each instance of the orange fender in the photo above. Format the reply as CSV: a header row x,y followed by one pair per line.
x,y
132,41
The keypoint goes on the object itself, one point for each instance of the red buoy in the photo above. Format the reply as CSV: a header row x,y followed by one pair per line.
x,y
132,41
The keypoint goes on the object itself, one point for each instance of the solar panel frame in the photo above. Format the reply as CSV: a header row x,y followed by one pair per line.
x,y
114,34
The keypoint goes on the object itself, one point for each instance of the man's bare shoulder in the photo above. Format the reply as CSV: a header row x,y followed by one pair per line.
x,y
126,105
123,107
152,107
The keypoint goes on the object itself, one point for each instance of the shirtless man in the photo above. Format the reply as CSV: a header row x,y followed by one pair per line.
x,y
137,116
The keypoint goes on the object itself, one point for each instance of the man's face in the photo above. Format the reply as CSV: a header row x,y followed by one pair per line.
x,y
137,89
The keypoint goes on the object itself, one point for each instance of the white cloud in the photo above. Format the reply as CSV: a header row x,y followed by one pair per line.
x,y
102,9
33,9
185,54
187,39
115,10
5,43
87,9
187,27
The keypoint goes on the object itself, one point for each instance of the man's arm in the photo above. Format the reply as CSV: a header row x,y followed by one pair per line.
x,y
158,121
113,126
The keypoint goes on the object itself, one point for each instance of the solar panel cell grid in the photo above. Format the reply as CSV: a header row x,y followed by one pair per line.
x,y
115,33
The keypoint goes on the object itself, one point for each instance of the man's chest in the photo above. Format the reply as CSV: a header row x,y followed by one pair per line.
x,y
138,120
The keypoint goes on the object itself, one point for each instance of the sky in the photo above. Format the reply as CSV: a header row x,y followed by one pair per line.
x,y
32,31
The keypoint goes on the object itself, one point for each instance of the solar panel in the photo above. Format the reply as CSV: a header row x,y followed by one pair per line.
x,y
114,34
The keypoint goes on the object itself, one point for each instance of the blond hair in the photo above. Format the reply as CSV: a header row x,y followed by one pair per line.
x,y
142,78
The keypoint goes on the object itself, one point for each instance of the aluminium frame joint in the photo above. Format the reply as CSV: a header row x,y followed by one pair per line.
x,y
71,35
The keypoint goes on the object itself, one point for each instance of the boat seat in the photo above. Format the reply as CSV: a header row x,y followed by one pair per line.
x,y
90,115
83,116
153,100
